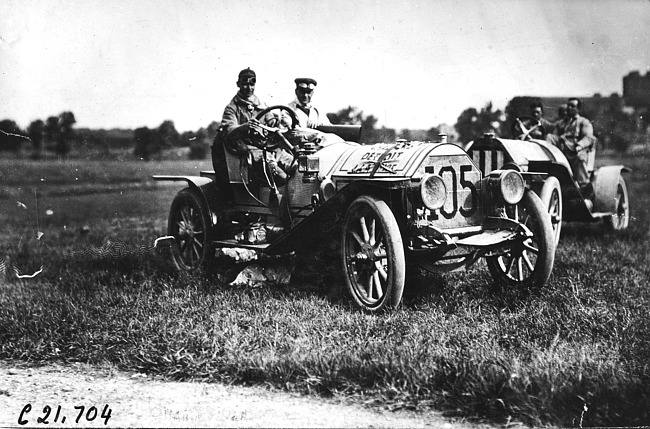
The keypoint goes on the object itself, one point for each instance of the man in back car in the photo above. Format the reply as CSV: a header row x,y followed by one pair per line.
x,y
575,136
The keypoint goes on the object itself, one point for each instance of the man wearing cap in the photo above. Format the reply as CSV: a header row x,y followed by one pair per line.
x,y
239,128
238,121
308,115
574,135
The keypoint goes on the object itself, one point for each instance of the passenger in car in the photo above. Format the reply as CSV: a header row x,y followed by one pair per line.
x,y
575,136
308,115
561,114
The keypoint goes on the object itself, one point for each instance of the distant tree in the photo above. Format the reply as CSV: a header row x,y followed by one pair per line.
x,y
347,116
11,136
146,143
66,121
212,130
432,134
51,131
472,124
405,134
11,127
617,129
200,145
369,122
168,135
188,136
36,132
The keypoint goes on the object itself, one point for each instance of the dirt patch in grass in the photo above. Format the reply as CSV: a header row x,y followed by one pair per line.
x,y
137,400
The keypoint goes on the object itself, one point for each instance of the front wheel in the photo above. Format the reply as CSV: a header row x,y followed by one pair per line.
x,y
188,224
373,255
621,217
529,262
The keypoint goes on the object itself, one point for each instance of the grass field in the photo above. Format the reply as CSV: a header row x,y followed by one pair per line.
x,y
455,344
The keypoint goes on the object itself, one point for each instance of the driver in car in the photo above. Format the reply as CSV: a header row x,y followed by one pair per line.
x,y
543,125
535,126
238,122
241,130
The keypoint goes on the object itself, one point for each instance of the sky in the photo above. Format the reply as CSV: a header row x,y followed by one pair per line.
x,y
412,64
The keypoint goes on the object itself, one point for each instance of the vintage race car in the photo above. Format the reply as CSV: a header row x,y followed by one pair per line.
x,y
561,195
422,203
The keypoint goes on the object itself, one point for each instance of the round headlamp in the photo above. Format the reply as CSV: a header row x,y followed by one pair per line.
x,y
512,186
433,191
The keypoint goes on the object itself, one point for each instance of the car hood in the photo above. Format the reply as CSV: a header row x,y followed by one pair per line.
x,y
382,160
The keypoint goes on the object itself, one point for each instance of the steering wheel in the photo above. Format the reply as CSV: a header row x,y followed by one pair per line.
x,y
275,127
522,127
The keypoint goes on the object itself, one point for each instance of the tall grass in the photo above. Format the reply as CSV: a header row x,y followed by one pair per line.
x,y
455,344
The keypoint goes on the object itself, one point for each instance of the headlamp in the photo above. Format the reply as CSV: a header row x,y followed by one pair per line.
x,y
433,191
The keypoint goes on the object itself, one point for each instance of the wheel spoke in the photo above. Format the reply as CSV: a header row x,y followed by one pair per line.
x,y
528,262
511,262
357,238
371,233
520,269
529,246
369,287
185,214
184,246
382,272
377,283
364,229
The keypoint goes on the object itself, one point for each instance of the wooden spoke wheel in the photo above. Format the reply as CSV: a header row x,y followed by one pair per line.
x,y
373,255
528,262
188,224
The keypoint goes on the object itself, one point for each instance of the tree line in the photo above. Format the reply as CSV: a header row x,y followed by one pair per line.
x,y
616,127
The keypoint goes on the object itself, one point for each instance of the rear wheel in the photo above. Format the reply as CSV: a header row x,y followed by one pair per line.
x,y
551,196
621,217
188,224
529,262
373,255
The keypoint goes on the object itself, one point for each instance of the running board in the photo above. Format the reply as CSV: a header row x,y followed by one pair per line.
x,y
234,243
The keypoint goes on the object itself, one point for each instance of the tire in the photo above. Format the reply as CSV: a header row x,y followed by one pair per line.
x,y
373,255
551,196
528,263
620,220
188,224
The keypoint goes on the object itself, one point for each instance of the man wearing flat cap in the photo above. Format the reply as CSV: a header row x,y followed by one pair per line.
x,y
238,121
239,129
308,115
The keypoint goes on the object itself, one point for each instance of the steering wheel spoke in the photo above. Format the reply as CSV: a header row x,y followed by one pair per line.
x,y
272,120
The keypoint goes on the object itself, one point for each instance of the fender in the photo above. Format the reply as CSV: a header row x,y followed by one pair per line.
x,y
206,188
334,208
605,187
